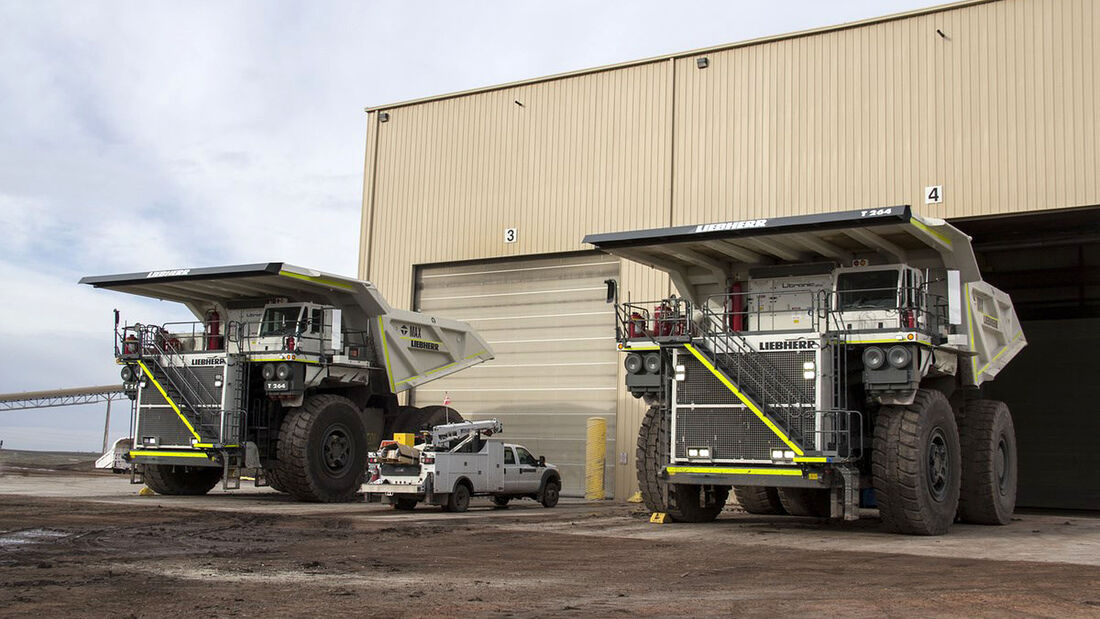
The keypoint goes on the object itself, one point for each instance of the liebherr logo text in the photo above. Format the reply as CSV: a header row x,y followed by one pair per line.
x,y
209,361
171,273
789,345
423,344
732,225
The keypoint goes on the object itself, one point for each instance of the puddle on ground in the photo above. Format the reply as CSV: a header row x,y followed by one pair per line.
x,y
28,536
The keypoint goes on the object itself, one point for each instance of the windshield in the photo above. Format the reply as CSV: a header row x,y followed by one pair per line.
x,y
280,321
525,457
867,290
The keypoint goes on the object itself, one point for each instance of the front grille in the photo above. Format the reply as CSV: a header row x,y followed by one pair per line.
x,y
164,424
730,433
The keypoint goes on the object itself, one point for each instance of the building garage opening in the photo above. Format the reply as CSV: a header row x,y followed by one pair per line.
x,y
556,363
1050,264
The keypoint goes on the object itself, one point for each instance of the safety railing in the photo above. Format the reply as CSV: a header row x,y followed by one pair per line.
x,y
836,433
757,377
886,309
667,320
758,311
357,344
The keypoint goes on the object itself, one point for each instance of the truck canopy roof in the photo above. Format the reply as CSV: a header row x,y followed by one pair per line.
x,y
706,254
227,285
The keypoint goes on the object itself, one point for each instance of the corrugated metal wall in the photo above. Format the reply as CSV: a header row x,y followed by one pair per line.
x,y
1000,109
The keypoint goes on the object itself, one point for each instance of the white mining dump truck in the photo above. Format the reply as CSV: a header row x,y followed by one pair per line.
x,y
458,461
809,359
288,371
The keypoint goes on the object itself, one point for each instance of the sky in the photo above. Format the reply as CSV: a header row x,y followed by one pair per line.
x,y
145,135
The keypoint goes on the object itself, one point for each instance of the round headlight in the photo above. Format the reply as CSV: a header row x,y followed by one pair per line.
x,y
268,371
899,356
283,371
633,363
873,358
127,374
653,363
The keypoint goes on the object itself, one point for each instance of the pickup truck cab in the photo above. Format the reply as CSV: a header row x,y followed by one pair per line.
x,y
475,466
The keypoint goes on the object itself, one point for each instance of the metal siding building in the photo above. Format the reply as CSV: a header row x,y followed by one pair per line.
x,y
994,100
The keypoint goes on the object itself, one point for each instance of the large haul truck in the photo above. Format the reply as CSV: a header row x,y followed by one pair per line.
x,y
288,371
807,360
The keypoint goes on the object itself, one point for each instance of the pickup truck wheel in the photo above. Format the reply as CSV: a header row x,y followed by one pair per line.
x,y
405,504
550,493
170,479
501,500
322,452
459,501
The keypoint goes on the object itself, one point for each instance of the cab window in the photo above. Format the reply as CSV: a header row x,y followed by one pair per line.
x,y
279,321
867,290
525,457
316,320
509,456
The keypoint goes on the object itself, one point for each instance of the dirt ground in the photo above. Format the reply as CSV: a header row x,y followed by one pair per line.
x,y
83,544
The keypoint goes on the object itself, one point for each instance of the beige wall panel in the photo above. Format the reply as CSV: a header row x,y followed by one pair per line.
x,y
579,155
1001,111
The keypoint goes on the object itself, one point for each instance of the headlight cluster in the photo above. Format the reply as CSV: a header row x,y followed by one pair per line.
x,y
636,364
271,371
897,356
128,374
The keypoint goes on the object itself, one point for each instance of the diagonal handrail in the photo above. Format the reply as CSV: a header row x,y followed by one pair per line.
x,y
183,380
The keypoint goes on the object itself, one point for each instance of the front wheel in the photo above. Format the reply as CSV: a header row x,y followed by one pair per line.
x,y
690,503
322,450
550,493
916,465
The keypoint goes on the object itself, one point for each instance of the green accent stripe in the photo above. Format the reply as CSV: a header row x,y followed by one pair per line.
x,y
386,353
169,454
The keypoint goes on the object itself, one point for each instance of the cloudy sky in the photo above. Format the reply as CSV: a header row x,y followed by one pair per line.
x,y
143,135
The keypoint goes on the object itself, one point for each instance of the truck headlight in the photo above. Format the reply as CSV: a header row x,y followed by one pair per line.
x,y
653,363
282,371
873,358
127,374
268,371
633,363
899,356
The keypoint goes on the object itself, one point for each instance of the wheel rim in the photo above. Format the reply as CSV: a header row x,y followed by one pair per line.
x,y
1000,465
336,450
939,464
552,492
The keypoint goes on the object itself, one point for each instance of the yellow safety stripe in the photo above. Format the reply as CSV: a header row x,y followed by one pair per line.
x,y
1002,351
169,454
673,470
168,399
939,236
210,445
744,400
317,280
633,348
812,459
386,353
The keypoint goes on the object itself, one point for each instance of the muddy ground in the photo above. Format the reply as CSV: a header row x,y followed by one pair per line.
x,y
101,550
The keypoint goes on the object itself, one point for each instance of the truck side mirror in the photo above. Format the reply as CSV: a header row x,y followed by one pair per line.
x,y
542,461
336,336
612,291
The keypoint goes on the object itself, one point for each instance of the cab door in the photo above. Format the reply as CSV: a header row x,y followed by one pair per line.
x,y
511,471
529,474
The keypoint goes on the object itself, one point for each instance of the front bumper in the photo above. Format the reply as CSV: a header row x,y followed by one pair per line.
x,y
782,477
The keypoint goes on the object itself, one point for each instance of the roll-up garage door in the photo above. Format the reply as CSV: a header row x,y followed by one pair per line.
x,y
556,362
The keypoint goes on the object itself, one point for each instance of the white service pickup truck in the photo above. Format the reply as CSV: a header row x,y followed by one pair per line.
x,y
455,464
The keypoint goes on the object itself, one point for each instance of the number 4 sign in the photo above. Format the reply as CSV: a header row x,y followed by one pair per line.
x,y
933,194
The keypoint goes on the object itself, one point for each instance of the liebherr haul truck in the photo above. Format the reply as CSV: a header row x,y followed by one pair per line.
x,y
809,359
288,371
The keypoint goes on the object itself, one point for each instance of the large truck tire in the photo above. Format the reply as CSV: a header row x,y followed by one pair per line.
x,y
988,438
271,474
689,503
173,479
916,465
322,454
812,502
652,441
761,500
